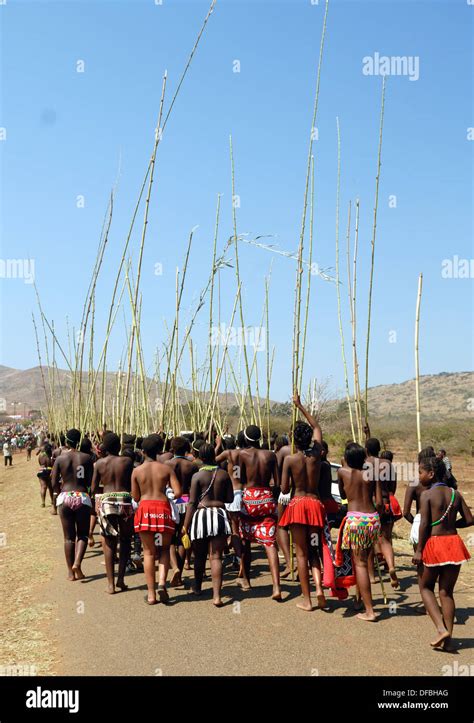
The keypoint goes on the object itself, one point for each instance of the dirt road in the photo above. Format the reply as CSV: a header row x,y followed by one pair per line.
x,y
88,632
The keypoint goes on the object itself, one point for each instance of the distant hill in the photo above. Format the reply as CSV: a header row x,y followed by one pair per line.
x,y
442,395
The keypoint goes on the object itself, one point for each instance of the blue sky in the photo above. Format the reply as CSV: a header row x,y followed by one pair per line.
x,y
67,130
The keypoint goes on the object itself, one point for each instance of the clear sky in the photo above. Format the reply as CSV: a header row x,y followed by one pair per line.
x,y
67,130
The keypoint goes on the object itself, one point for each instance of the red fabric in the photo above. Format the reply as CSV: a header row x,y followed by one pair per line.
x,y
395,508
303,511
258,521
258,502
339,557
258,530
154,516
444,550
331,506
343,581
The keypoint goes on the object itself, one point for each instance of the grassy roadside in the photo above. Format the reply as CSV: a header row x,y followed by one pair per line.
x,y
26,564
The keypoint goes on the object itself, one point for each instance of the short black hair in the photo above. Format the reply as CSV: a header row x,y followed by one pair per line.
x,y
302,435
355,455
280,441
426,453
197,444
72,437
241,441
228,441
179,445
373,447
152,445
253,434
435,465
207,453
111,443
86,446
387,454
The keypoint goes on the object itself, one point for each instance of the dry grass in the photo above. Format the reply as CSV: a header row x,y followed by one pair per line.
x,y
25,564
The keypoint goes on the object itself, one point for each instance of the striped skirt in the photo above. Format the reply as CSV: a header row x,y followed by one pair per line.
x,y
209,522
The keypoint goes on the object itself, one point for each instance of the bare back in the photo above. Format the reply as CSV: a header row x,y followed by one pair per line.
x,y
436,501
217,494
259,466
150,479
75,469
114,473
303,470
184,470
234,469
280,455
325,480
357,489
44,460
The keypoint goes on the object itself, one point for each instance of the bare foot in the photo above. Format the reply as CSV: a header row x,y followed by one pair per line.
x,y
163,594
110,589
286,572
307,607
394,579
195,592
368,617
321,601
448,645
78,574
121,585
175,578
440,639
152,601
218,603
277,595
71,577
244,584
43,505
54,511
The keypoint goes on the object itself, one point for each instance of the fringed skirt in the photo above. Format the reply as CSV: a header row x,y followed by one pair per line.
x,y
445,550
304,511
209,522
154,516
361,530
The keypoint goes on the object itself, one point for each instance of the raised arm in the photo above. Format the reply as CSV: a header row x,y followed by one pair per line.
x,y
222,457
317,433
